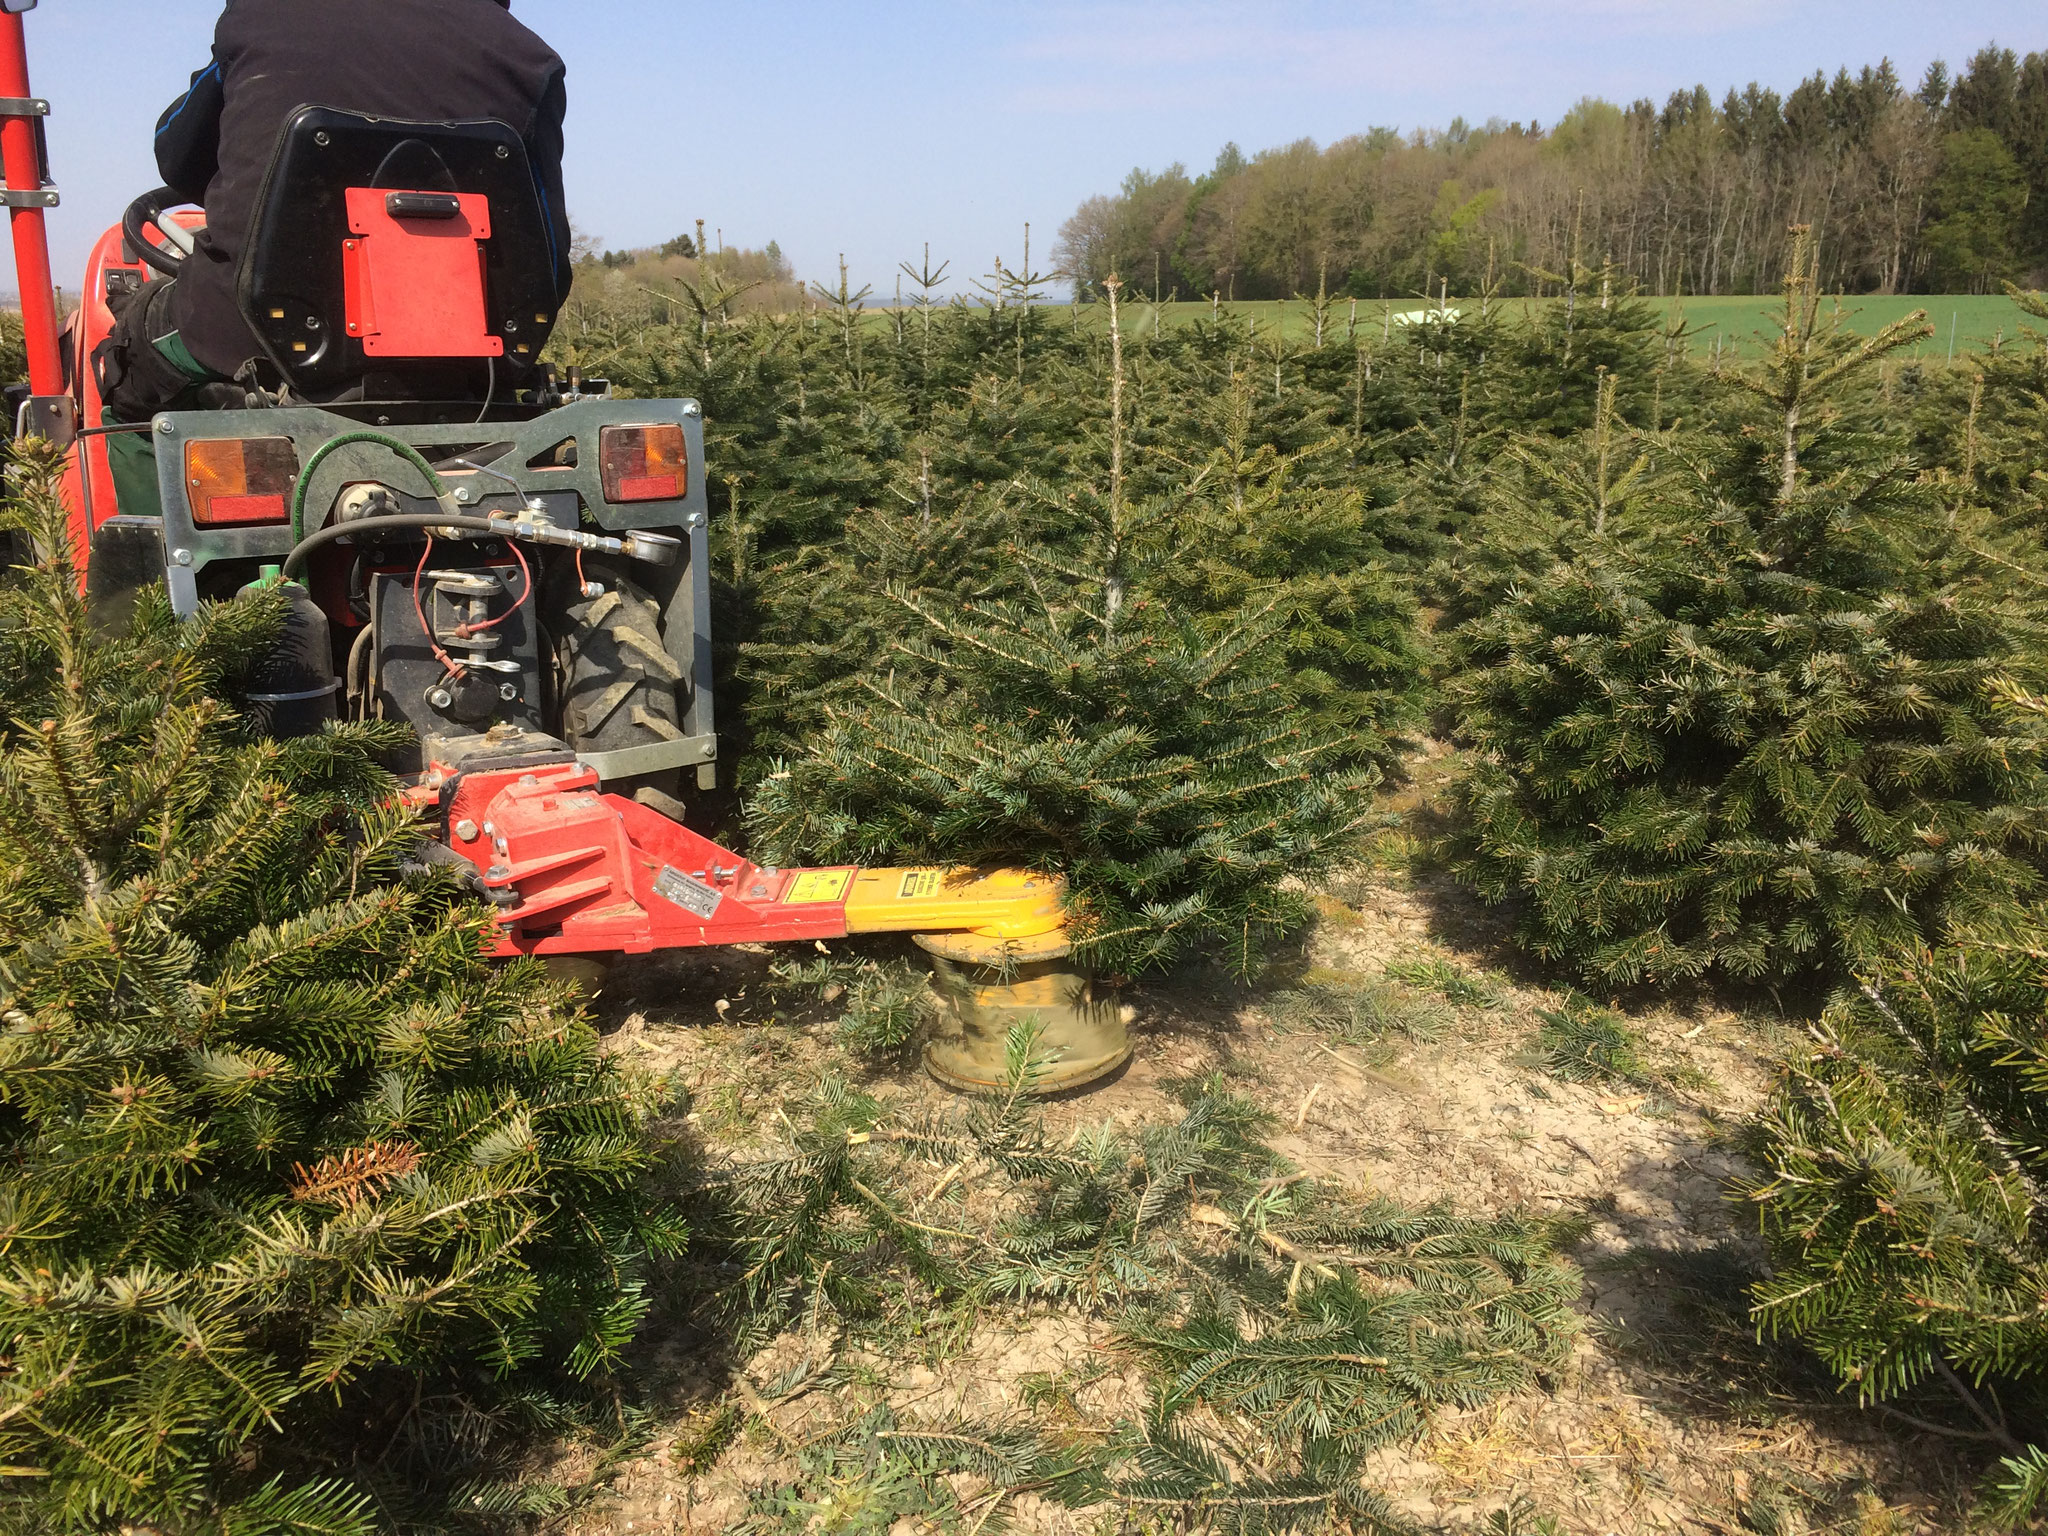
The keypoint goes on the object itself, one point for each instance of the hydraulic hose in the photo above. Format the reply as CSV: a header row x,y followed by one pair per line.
x,y
394,523
404,450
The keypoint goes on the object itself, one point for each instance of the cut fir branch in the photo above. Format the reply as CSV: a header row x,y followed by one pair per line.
x,y
1285,1328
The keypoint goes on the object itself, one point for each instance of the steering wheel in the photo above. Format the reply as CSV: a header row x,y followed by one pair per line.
x,y
147,211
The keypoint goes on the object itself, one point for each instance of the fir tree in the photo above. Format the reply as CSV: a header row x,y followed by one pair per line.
x,y
1757,733
1902,1188
1268,527
305,1205
1162,759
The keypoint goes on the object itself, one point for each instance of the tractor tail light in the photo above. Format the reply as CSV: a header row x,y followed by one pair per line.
x,y
240,479
644,463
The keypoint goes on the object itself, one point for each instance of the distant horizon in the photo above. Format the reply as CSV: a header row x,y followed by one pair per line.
x,y
874,134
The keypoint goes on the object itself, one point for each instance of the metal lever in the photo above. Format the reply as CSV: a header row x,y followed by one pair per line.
x,y
529,501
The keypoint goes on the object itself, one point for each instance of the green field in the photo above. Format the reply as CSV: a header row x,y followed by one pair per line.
x,y
1977,321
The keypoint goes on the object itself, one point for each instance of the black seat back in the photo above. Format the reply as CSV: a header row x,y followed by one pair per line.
x,y
293,285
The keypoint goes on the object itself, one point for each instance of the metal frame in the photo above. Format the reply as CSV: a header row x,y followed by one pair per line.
x,y
22,155
684,589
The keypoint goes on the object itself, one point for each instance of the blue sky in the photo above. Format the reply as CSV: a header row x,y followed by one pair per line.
x,y
871,129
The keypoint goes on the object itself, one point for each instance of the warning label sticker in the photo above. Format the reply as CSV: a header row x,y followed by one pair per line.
x,y
691,895
919,882
818,885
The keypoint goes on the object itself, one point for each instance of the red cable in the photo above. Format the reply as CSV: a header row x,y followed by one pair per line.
x,y
582,581
454,667
420,613
526,571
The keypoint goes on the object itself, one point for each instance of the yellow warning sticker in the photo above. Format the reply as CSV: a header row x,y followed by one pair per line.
x,y
919,882
817,885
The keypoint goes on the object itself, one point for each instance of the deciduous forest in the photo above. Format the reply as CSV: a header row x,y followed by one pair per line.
x,y
1939,186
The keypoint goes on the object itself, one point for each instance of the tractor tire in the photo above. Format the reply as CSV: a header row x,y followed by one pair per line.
x,y
616,684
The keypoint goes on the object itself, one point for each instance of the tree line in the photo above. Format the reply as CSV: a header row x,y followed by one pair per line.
x,y
1941,188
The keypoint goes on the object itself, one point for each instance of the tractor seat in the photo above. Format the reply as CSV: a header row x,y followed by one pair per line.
x,y
407,260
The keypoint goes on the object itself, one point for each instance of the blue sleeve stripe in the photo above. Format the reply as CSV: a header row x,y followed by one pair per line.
x,y
178,107
547,219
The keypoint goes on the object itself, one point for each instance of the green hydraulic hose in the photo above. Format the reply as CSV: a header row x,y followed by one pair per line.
x,y
405,451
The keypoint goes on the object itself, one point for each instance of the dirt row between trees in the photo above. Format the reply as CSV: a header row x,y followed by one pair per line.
x,y
1670,1415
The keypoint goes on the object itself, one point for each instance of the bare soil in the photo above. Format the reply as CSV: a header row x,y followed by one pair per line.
x,y
1671,1415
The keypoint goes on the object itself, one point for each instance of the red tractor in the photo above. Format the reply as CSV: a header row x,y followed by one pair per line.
x,y
514,565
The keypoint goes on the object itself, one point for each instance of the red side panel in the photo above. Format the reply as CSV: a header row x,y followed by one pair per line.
x,y
578,871
87,327
415,287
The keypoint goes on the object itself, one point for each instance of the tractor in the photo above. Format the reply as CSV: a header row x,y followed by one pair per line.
x,y
512,562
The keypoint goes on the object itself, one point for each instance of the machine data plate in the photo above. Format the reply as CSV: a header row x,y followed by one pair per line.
x,y
692,896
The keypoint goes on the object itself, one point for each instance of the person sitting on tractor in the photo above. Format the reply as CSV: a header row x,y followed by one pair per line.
x,y
183,343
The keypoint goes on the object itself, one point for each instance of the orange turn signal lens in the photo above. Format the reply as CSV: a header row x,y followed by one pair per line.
x,y
644,463
240,479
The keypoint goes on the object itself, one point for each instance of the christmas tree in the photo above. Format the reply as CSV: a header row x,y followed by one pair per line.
x,y
1103,711
1754,730
1902,1185
305,1206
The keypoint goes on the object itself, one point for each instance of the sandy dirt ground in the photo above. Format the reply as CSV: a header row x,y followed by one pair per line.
x,y
1670,1416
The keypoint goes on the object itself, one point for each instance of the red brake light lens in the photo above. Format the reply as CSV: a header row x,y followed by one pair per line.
x,y
644,463
232,480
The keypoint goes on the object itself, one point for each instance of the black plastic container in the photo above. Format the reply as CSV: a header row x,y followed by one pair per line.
x,y
291,690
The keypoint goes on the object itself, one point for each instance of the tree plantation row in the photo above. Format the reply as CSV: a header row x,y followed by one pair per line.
x,y
313,1221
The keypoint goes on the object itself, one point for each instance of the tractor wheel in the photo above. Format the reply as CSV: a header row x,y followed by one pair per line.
x,y
616,684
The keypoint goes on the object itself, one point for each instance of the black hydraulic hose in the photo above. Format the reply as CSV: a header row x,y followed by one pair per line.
x,y
391,523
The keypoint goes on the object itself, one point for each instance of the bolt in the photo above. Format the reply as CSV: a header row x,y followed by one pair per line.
x,y
466,830
692,408
504,152
462,493
323,138
163,425
509,692
312,322
440,698
181,557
